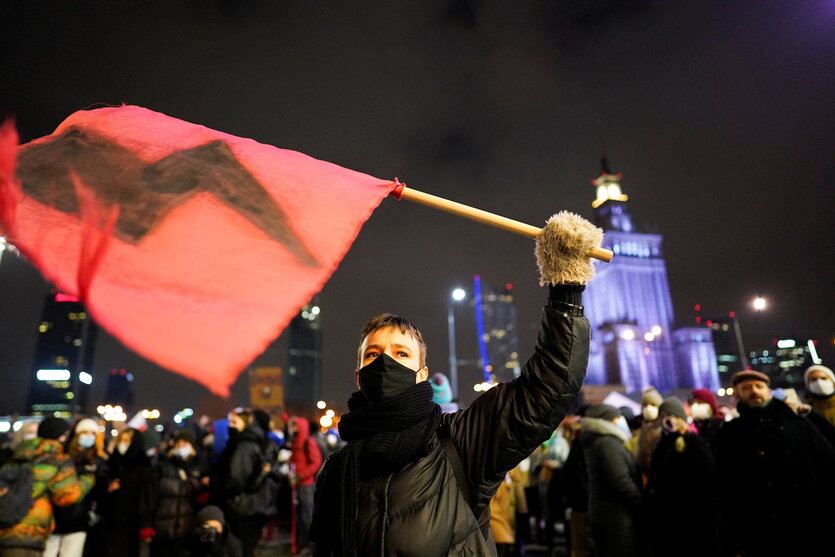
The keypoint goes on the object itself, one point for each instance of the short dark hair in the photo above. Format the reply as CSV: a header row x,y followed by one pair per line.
x,y
385,320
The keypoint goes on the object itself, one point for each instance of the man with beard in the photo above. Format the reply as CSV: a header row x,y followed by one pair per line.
x,y
779,469
411,482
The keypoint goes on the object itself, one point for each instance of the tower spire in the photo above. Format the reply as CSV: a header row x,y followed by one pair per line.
x,y
601,144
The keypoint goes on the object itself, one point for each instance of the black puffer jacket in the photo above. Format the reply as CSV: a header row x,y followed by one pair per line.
x,y
420,510
170,499
246,490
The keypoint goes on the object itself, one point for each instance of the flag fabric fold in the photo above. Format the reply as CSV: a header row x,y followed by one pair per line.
x,y
193,247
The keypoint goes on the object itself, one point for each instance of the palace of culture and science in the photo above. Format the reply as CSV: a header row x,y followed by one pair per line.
x,y
628,304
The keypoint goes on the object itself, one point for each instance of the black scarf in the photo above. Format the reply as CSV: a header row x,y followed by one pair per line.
x,y
382,439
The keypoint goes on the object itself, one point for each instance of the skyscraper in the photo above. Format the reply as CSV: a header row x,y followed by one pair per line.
x,y
303,380
786,361
62,366
500,335
630,308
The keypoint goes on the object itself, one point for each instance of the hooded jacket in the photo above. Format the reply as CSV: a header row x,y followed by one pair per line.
x,y
54,482
306,457
420,510
614,492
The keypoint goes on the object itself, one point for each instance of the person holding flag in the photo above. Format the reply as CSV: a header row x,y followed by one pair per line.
x,y
411,481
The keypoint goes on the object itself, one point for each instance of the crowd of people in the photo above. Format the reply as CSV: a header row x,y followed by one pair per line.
x,y
202,489
684,477
680,478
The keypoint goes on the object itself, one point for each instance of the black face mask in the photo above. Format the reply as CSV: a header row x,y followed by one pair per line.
x,y
384,378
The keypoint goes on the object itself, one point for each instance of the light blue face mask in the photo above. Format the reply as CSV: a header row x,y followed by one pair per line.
x,y
86,440
183,452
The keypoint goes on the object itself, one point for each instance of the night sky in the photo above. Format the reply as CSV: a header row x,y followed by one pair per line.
x,y
720,115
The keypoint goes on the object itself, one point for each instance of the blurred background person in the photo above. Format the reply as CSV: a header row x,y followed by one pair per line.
x,y
681,476
170,499
305,462
820,388
85,446
643,444
210,537
614,484
781,467
242,476
129,470
506,504
705,413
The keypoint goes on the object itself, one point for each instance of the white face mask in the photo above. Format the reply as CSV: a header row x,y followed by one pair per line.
x,y
700,410
122,447
649,412
184,452
823,387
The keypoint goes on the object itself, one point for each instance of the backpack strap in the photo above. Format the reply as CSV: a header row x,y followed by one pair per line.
x,y
461,478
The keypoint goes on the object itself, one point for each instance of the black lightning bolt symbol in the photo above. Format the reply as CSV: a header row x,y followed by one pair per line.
x,y
147,192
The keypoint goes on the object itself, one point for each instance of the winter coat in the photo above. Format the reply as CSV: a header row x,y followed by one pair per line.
x,y
779,470
169,501
306,458
823,405
120,508
614,492
76,517
504,506
682,482
54,482
248,488
643,444
420,510
576,479
709,429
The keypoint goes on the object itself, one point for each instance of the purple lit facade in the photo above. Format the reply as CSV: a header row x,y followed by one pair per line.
x,y
630,310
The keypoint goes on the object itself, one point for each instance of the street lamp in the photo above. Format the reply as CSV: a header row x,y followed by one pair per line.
x,y
759,303
458,294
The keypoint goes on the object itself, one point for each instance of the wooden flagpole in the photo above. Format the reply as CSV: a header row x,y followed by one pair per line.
x,y
484,217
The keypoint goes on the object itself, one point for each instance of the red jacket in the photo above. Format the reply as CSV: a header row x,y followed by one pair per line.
x,y
306,458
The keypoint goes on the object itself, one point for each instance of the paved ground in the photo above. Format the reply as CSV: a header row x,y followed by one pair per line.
x,y
279,546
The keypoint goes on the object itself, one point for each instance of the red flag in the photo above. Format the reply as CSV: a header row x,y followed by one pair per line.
x,y
195,248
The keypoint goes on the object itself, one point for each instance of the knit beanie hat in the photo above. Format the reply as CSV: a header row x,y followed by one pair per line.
x,y
673,407
87,425
704,395
52,428
441,390
210,512
651,396
602,411
820,368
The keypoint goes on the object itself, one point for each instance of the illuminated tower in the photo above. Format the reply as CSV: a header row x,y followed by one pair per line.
x,y
630,309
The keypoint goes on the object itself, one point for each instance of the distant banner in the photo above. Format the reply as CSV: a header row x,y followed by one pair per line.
x,y
265,390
